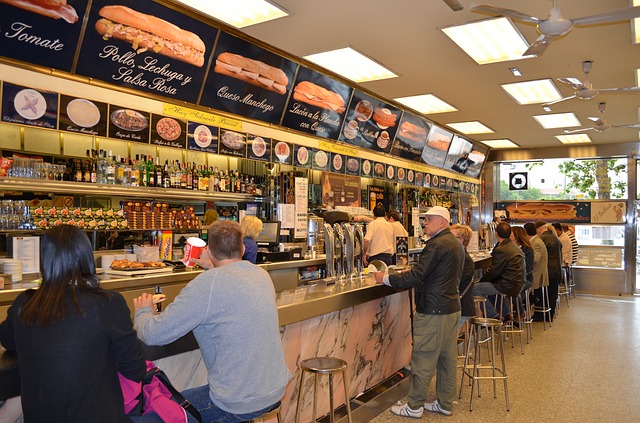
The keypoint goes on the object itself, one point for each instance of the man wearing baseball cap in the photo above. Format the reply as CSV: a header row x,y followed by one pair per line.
x,y
436,277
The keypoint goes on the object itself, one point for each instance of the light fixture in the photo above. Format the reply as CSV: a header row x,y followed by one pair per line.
x,y
501,143
533,92
515,71
638,76
573,139
635,25
468,128
426,104
558,120
351,64
238,13
489,40
546,108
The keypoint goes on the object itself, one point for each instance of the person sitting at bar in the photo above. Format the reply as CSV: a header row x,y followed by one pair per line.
x,y
463,234
72,338
251,226
232,312
379,241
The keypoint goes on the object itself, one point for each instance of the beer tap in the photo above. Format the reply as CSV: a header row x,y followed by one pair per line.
x,y
339,251
349,250
329,248
359,248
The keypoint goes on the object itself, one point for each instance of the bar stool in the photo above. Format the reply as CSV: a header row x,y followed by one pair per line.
x,y
564,290
545,308
497,373
481,310
572,282
324,365
277,411
528,314
509,327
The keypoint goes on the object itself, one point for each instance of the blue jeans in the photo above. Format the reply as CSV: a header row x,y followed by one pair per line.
x,y
200,399
484,289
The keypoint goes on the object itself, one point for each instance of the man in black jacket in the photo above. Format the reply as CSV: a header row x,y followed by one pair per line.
x,y
506,274
554,252
436,277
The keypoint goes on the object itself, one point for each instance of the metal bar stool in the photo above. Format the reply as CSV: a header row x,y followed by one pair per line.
x,y
517,317
481,310
277,411
545,308
572,282
564,290
528,314
497,373
324,365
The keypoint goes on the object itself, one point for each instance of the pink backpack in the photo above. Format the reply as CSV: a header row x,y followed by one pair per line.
x,y
155,394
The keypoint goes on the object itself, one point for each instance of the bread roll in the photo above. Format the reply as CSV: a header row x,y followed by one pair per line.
x,y
252,71
310,93
412,132
384,117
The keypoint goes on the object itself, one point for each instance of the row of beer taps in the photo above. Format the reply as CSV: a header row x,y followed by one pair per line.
x,y
344,249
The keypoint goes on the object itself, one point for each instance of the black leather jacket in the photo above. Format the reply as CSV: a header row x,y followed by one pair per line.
x,y
436,276
507,270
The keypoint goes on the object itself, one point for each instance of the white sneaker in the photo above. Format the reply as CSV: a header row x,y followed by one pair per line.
x,y
435,407
403,410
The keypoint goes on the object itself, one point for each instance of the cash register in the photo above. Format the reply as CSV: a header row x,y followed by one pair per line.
x,y
268,240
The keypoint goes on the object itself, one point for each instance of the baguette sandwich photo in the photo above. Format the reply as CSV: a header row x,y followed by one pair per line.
x,y
146,32
541,210
315,95
55,9
412,132
252,71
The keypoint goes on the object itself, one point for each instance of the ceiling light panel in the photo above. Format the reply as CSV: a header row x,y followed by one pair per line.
x,y
502,143
533,92
426,104
469,128
573,139
490,40
238,13
635,25
558,120
352,65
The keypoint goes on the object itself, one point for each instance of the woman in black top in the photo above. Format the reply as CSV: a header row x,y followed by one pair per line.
x,y
72,337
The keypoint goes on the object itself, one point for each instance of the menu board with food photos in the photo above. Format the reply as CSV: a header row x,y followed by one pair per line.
x,y
320,160
232,144
302,156
420,179
391,173
458,155
352,166
366,168
248,80
83,116
435,151
370,123
202,137
145,61
401,175
411,176
478,156
56,26
317,104
27,106
379,170
258,148
281,152
128,124
337,163
168,132
411,137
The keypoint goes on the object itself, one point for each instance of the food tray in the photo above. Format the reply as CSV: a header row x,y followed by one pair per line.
x,y
139,271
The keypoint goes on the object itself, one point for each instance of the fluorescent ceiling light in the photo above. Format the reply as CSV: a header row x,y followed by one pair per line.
x,y
503,143
490,40
351,64
426,104
238,13
573,139
638,76
635,24
533,92
558,120
468,128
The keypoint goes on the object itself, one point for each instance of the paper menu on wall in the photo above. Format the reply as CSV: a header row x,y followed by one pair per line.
x,y
27,250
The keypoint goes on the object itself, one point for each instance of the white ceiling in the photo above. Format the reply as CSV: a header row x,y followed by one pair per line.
x,y
404,35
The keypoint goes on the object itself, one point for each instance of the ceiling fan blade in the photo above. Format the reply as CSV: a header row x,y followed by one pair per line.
x,y
575,83
620,90
539,46
611,16
596,120
577,131
633,125
558,101
509,13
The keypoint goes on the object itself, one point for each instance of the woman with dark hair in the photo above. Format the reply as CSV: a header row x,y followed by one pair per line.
x,y
72,337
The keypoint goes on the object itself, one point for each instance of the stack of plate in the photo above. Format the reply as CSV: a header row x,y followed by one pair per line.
x,y
13,268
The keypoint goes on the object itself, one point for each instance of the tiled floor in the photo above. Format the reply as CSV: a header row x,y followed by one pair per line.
x,y
586,368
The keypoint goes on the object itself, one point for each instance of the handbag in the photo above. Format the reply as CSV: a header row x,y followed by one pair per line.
x,y
156,394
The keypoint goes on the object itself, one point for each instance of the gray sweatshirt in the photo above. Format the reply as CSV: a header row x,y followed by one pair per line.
x,y
232,313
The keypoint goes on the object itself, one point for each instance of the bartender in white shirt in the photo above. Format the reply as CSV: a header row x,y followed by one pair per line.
x,y
393,217
379,241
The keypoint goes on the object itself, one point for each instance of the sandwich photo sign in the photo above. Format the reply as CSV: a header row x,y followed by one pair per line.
x,y
411,137
43,32
317,105
248,80
146,46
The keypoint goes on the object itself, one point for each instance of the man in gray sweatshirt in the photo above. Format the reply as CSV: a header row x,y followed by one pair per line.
x,y
232,312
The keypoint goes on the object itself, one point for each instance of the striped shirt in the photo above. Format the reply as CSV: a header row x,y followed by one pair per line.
x,y
574,248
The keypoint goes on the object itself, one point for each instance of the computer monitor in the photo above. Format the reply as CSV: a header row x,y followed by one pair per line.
x,y
270,234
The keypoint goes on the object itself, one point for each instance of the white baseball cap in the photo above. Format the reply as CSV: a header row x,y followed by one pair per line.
x,y
439,211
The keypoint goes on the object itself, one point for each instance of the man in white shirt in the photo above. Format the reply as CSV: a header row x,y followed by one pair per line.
x,y
567,247
394,218
379,241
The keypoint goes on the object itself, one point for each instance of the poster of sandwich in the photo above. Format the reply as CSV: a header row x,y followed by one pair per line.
x,y
27,106
435,151
146,46
128,124
42,32
550,211
247,80
411,137
83,116
202,137
458,155
370,123
478,156
168,132
317,104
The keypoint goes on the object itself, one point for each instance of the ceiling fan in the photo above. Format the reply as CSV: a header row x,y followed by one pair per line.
x,y
600,124
555,26
583,90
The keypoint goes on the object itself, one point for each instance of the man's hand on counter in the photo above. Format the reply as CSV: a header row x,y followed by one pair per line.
x,y
379,277
144,300
204,261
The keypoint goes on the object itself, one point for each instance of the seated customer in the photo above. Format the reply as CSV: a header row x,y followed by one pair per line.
x,y
72,337
232,312
251,226
506,274
463,234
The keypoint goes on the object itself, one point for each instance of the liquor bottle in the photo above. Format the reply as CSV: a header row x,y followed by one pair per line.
x,y
140,171
128,172
86,168
159,173
166,175
111,169
119,170
196,178
101,176
187,177
150,172
134,175
94,172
